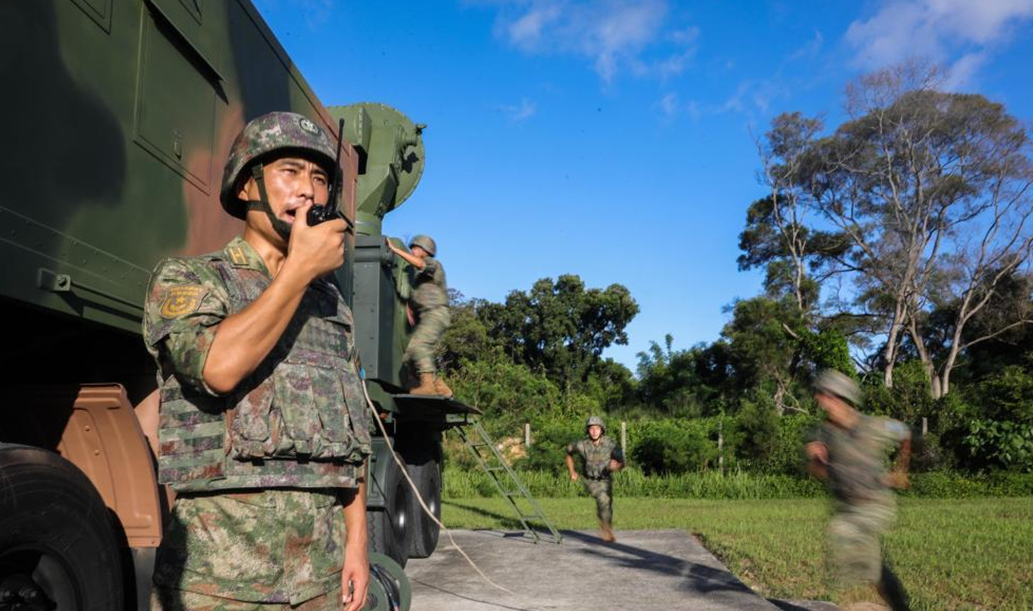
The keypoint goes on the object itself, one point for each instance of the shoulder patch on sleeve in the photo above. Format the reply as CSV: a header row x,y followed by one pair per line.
x,y
182,299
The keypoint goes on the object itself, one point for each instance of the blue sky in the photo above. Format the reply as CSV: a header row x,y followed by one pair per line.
x,y
615,139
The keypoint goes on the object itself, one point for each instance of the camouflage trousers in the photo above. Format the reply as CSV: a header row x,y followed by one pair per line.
x,y
251,550
165,599
602,490
430,326
855,533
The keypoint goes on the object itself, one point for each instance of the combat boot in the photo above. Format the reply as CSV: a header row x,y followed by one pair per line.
x,y
442,388
607,532
426,387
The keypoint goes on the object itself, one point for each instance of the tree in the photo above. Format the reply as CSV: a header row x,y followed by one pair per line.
x,y
777,235
467,337
763,337
561,328
1013,300
771,335
932,189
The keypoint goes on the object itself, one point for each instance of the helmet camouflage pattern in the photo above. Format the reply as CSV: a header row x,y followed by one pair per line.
x,y
832,382
426,243
595,421
268,133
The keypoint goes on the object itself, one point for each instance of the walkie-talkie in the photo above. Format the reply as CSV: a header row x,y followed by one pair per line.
x,y
320,214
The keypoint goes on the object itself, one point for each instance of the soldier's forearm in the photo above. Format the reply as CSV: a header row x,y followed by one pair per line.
x,y
410,258
355,518
904,457
244,339
817,469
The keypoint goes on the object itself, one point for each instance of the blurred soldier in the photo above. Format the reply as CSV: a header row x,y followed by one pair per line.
x,y
850,452
263,432
431,317
601,457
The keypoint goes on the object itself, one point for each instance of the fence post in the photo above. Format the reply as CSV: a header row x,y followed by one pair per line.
x,y
527,434
925,426
624,439
720,447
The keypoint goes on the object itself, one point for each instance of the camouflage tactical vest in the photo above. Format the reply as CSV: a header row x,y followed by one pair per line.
x,y
429,287
857,458
298,421
597,457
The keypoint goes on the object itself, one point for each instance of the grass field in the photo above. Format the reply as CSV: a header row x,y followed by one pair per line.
x,y
950,554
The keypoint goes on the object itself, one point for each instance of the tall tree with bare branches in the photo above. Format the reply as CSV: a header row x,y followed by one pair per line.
x,y
933,190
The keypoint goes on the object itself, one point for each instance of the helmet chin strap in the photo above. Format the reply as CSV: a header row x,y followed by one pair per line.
x,y
262,204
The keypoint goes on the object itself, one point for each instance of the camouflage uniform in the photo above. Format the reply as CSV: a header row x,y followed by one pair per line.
x,y
597,477
430,298
261,472
864,506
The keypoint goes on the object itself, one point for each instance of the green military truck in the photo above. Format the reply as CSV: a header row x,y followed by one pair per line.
x,y
118,116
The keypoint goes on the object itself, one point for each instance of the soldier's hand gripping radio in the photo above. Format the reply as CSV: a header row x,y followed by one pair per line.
x,y
320,214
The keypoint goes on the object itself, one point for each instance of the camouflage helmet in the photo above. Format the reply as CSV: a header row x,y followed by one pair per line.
x,y
263,135
835,383
426,243
595,421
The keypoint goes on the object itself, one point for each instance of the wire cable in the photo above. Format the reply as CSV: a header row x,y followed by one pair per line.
x,y
419,497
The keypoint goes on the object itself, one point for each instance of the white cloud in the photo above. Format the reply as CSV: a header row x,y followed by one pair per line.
x,y
518,114
669,104
936,29
811,49
755,95
962,72
672,107
614,35
526,32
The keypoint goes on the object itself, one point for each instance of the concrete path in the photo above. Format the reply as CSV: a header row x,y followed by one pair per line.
x,y
643,570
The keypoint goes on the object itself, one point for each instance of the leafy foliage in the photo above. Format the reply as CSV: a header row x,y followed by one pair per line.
x,y
668,446
1003,445
560,327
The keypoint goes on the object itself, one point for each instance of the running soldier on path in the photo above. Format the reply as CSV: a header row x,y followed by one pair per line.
x,y
263,432
850,452
601,457
431,317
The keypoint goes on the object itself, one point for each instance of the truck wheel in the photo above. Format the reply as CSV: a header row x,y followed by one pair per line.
x,y
58,548
389,526
425,531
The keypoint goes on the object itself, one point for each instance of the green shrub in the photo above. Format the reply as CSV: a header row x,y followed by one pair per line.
x,y
632,482
668,446
944,486
928,455
1010,484
794,431
909,399
1007,395
1001,445
548,448
948,485
756,430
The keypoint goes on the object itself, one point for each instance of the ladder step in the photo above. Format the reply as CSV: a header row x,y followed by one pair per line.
x,y
492,463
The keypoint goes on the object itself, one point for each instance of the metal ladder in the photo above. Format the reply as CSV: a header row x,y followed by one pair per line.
x,y
508,483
